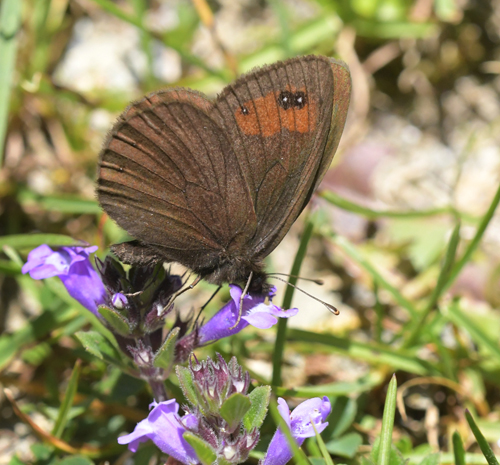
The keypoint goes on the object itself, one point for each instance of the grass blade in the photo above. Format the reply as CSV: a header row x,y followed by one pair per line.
x,y
384,453
481,440
485,221
10,22
458,449
322,447
344,204
460,319
449,260
67,402
354,254
377,354
287,300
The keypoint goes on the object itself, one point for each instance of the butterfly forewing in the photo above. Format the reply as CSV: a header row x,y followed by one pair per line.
x,y
277,118
169,177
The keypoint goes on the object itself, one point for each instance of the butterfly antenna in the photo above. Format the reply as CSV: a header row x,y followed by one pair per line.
x,y
319,282
206,303
327,305
243,294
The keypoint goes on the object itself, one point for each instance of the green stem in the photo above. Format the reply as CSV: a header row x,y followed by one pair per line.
x,y
279,345
475,241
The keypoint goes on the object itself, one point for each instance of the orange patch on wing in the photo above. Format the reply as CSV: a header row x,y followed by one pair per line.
x,y
265,116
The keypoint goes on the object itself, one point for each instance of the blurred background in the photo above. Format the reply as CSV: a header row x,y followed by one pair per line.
x,y
419,155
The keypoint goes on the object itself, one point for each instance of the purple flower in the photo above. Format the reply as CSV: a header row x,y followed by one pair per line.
x,y
255,312
73,266
300,423
165,428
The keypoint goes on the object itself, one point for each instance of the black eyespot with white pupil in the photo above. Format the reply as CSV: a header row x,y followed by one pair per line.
x,y
300,100
287,100
244,110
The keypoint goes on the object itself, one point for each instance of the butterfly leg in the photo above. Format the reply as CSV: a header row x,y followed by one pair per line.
x,y
181,291
206,303
243,294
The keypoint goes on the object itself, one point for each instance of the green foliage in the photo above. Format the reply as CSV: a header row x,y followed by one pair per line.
x,y
234,409
203,450
164,358
259,402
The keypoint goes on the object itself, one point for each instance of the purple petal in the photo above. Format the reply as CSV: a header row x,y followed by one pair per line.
x,y
254,312
43,263
73,266
164,427
279,451
284,410
264,316
84,284
140,434
261,320
312,410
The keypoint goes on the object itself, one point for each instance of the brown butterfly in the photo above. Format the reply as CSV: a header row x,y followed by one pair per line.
x,y
216,185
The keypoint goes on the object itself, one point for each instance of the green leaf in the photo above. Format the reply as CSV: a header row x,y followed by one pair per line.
x,y
15,460
363,384
345,446
99,346
164,358
234,409
317,461
259,399
458,449
481,440
388,423
378,354
69,395
394,30
42,452
115,319
30,241
344,411
204,451
431,459
67,204
187,384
